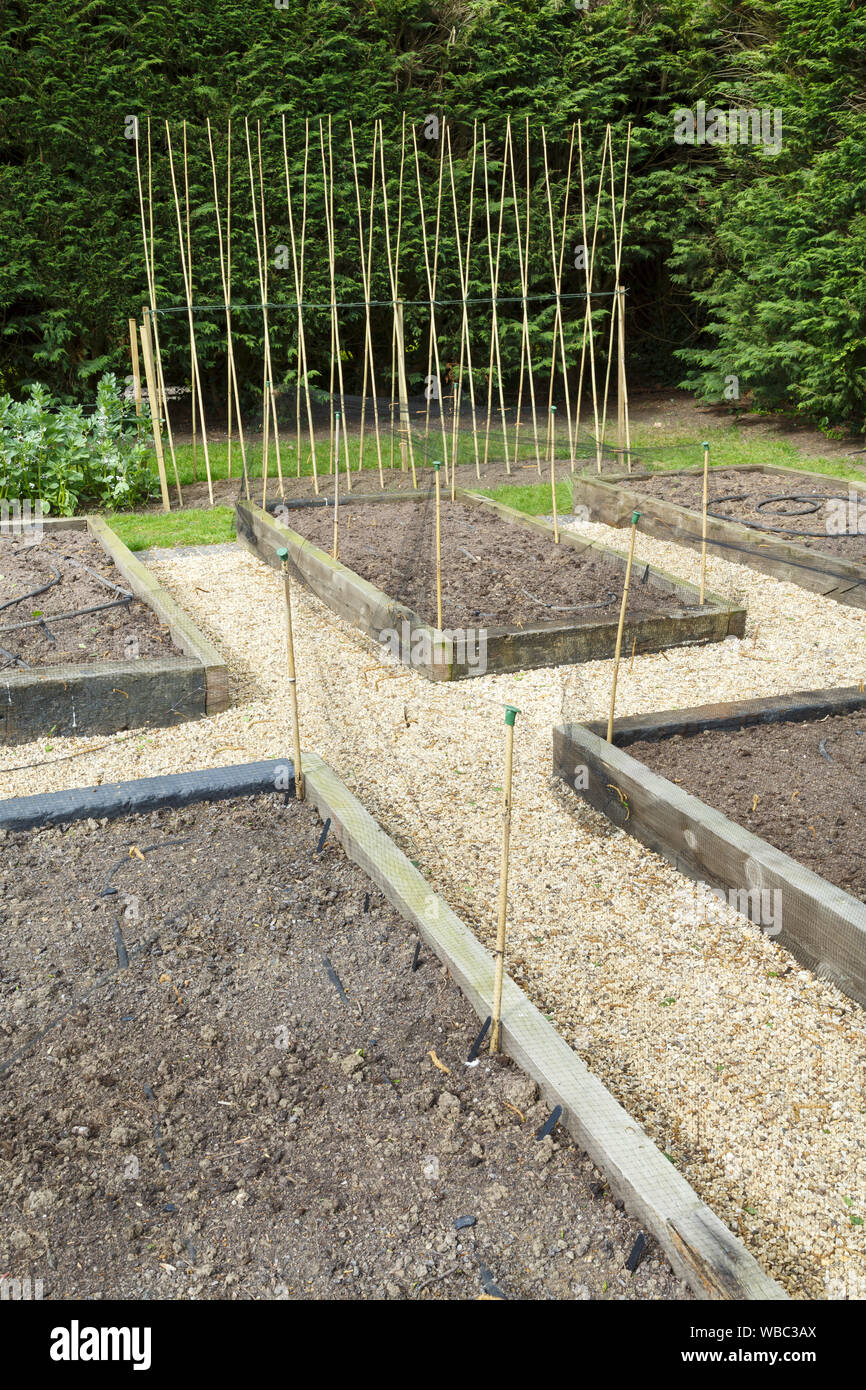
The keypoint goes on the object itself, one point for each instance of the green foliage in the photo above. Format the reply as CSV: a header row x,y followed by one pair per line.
x,y
58,454
738,262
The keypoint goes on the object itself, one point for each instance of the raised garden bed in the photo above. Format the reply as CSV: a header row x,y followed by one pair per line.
x,y
219,1030
742,517
761,798
127,657
512,599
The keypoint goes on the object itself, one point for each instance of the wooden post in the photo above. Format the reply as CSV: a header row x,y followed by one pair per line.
x,y
336,548
704,504
552,433
153,401
635,518
499,953
283,557
136,370
437,466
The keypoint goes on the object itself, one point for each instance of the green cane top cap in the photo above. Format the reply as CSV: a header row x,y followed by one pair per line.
x,y
553,410
635,518
705,444
437,465
511,713
282,553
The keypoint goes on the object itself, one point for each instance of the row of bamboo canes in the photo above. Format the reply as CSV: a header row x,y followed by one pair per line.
x,y
318,144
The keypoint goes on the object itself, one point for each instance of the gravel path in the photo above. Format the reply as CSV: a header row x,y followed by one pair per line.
x,y
745,1069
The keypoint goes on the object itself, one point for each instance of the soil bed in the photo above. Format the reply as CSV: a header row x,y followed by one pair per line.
x,y
219,1084
798,785
747,497
69,561
491,571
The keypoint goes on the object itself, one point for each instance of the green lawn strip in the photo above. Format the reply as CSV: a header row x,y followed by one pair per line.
x,y
198,526
728,446
532,498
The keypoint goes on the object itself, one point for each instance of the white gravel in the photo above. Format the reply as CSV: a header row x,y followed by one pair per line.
x,y
744,1068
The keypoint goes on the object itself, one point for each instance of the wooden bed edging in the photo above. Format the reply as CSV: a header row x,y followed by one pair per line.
x,y
703,1252
822,926
106,696
611,500
701,1249
506,649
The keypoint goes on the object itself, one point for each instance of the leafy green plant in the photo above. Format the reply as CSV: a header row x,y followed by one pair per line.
x,y
59,455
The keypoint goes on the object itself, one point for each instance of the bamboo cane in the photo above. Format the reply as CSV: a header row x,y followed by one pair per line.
x,y
283,557
558,329
525,347
589,274
511,714
332,246
188,289
369,366
465,345
189,264
224,277
571,436
298,271
614,310
634,521
436,467
153,399
136,370
704,505
495,355
335,552
270,368
553,473
228,296
398,347
159,400
431,271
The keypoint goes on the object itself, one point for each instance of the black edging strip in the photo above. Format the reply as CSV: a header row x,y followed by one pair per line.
x,y
115,799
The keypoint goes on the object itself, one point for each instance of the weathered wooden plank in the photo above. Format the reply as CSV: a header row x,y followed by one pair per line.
x,y
822,926
734,714
350,596
612,500
505,648
183,630
700,1247
107,696
99,697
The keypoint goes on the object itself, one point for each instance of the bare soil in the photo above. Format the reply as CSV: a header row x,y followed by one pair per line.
x,y
492,572
66,564
220,1083
795,511
799,786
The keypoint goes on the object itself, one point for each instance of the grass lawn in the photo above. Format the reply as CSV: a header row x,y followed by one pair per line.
x,y
198,526
659,449
730,445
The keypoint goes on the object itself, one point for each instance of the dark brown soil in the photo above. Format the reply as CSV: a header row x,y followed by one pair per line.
x,y
737,496
809,779
492,572
250,1107
116,633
